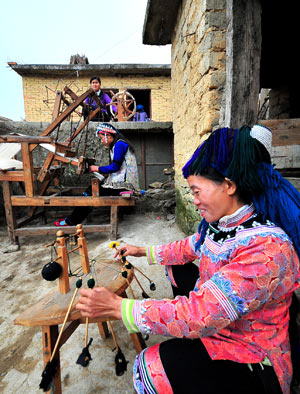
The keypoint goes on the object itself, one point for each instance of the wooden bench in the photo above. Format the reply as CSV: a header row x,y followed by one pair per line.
x,y
16,229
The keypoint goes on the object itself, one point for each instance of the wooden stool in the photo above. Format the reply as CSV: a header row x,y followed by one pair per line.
x,y
51,310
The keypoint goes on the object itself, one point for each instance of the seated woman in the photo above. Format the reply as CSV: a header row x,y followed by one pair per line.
x,y
231,328
141,114
119,176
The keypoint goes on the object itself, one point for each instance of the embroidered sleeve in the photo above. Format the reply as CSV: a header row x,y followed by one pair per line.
x,y
179,252
265,269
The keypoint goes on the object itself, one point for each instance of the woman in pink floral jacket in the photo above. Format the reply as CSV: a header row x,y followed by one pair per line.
x,y
230,317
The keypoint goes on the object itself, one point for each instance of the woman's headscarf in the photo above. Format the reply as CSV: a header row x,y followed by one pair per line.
x,y
107,128
244,156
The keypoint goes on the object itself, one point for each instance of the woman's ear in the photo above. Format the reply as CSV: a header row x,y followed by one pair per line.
x,y
230,186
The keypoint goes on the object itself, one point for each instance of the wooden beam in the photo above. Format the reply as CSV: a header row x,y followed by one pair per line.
x,y
43,171
70,201
29,139
57,103
68,331
83,124
24,231
66,160
64,115
285,132
73,95
12,176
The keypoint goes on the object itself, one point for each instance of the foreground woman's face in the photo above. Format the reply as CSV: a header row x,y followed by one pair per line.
x,y
213,200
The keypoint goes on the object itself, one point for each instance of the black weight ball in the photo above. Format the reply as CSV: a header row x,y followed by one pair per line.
x,y
51,271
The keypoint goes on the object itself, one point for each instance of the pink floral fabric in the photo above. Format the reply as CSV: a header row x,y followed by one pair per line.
x,y
149,374
239,306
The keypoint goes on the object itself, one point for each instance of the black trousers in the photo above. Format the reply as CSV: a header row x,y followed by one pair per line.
x,y
190,369
80,213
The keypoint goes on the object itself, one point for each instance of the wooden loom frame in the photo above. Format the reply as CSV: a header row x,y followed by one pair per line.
x,y
62,153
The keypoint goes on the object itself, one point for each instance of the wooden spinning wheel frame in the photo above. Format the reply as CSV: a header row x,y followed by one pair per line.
x,y
125,106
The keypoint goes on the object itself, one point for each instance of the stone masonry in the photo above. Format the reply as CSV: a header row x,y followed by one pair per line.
x,y
198,80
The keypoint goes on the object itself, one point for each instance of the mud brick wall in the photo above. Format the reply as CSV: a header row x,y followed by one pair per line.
x,y
39,93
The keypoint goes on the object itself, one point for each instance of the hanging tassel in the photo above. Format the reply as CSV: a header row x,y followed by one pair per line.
x,y
51,366
280,202
203,226
120,361
48,375
85,356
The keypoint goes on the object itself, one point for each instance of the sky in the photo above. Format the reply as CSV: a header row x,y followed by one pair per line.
x,y
50,31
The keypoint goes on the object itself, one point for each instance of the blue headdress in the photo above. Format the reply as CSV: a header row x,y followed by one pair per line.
x,y
243,155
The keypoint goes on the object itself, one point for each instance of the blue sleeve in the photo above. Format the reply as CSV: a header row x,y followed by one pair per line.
x,y
119,155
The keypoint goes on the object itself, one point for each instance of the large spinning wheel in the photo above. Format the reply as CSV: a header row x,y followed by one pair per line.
x,y
123,106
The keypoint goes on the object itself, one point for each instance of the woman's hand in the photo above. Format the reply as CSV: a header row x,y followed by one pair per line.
x,y
131,250
93,169
99,302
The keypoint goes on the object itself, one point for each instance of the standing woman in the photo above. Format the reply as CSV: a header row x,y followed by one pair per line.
x,y
119,176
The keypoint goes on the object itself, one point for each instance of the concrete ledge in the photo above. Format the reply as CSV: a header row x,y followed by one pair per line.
x,y
90,69
35,128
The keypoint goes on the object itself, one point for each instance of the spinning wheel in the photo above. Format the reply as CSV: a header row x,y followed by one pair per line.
x,y
125,106
57,307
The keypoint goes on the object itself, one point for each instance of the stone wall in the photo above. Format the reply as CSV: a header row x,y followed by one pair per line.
x,y
159,197
39,100
197,84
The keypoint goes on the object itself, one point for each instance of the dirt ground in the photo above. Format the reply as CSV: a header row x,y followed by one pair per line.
x,y
21,362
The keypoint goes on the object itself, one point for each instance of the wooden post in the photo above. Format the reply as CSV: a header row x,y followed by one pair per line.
x,y
83,249
113,222
103,329
62,259
50,335
10,217
27,169
243,54
95,187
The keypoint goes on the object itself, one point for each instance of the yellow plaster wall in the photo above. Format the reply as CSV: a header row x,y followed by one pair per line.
x,y
39,93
